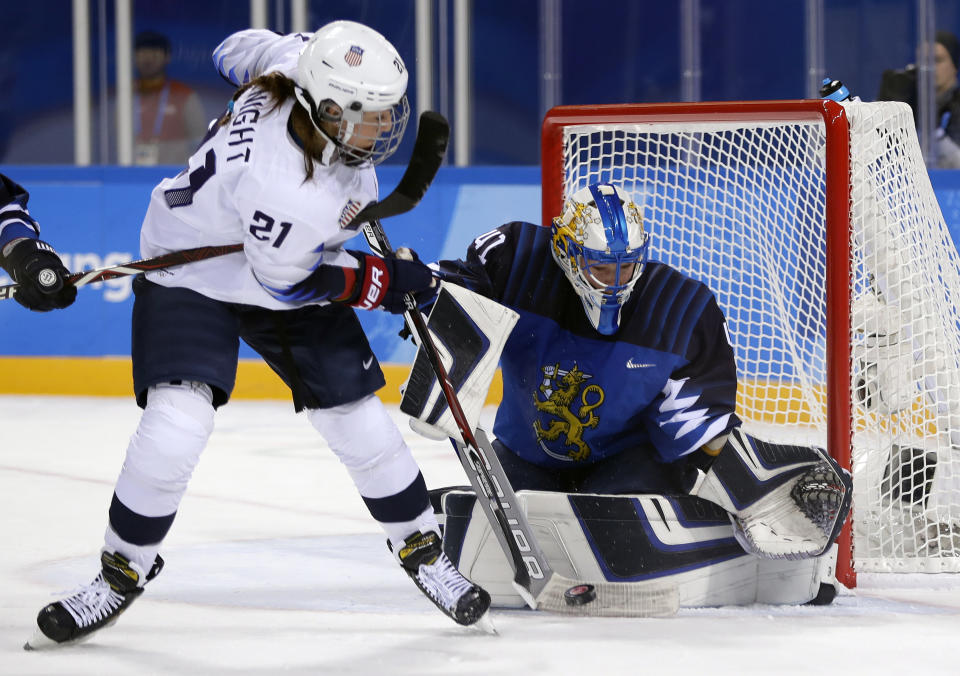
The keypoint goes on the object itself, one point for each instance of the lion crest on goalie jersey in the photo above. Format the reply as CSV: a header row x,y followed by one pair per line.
x,y
564,390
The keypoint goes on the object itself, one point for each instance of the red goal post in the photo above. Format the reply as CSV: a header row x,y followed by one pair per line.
x,y
792,211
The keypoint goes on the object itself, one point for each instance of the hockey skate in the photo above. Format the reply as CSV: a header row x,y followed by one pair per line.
x,y
95,605
430,569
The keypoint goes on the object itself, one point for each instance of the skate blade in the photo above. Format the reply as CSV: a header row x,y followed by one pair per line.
x,y
40,641
485,625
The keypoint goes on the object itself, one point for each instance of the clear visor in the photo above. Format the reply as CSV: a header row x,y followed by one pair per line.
x,y
371,135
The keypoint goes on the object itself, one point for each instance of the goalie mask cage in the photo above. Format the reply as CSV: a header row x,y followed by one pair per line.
x,y
815,225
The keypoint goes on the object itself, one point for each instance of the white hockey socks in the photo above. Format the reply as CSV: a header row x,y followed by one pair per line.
x,y
368,443
165,449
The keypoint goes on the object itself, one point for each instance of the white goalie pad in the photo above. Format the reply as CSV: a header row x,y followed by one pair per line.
x,y
637,538
469,332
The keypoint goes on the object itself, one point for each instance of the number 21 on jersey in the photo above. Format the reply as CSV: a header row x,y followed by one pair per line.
x,y
262,228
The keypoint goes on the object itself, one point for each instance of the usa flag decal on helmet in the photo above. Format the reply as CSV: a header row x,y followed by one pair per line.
x,y
354,56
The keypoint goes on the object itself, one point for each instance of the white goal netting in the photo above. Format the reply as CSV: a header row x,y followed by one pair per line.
x,y
741,205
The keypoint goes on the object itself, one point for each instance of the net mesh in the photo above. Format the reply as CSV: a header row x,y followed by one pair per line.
x,y
741,205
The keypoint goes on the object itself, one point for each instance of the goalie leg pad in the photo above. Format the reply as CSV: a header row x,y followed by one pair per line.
x,y
638,538
785,501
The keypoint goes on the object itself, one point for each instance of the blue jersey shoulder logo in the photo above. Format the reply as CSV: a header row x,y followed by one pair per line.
x,y
562,389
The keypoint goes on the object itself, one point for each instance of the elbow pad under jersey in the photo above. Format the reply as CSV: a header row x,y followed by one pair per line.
x,y
250,53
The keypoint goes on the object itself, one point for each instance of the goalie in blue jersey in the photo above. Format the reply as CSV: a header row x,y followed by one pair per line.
x,y
619,380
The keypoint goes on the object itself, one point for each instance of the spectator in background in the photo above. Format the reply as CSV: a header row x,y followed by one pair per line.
x,y
901,85
168,117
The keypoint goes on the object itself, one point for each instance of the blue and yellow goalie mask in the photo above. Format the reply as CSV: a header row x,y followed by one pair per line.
x,y
600,244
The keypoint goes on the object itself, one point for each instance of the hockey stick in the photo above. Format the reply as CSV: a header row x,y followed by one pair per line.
x,y
167,260
429,149
534,579
408,193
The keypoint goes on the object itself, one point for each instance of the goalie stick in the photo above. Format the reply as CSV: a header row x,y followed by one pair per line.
x,y
408,193
534,579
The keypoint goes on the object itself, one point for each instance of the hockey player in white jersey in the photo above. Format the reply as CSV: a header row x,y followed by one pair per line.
x,y
283,171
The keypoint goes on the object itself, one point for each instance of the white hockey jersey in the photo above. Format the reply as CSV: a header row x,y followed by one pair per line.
x,y
246,183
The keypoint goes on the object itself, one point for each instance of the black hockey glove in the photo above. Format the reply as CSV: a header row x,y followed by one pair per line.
x,y
40,274
383,282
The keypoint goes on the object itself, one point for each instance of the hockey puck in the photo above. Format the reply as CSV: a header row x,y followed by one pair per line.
x,y
580,595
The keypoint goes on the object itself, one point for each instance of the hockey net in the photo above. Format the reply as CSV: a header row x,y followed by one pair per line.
x,y
816,226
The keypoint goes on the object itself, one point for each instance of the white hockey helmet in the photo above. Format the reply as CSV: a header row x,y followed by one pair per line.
x,y
355,67
598,236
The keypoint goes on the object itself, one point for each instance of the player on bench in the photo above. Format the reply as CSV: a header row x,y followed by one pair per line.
x,y
631,392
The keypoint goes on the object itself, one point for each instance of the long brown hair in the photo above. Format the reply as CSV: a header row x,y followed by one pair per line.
x,y
280,88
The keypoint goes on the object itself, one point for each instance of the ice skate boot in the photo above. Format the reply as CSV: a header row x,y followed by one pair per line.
x,y
95,605
422,557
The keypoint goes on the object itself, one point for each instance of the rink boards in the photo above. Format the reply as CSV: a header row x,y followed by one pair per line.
x,y
93,216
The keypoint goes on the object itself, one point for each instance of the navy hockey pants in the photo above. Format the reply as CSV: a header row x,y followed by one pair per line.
x,y
321,353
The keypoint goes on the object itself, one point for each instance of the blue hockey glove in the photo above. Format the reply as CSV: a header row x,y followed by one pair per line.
x,y
785,501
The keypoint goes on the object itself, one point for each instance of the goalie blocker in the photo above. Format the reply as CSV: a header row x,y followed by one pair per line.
x,y
469,332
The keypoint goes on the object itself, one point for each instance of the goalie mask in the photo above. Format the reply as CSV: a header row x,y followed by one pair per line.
x,y
600,244
353,83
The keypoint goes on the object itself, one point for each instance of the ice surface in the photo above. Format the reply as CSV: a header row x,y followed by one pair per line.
x,y
274,566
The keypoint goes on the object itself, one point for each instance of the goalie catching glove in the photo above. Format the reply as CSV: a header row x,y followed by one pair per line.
x,y
785,501
39,274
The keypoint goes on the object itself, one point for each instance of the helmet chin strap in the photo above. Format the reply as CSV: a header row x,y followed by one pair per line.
x,y
347,132
329,152
330,148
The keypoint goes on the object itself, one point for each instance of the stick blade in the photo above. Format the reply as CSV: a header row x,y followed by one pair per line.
x,y
429,150
647,598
